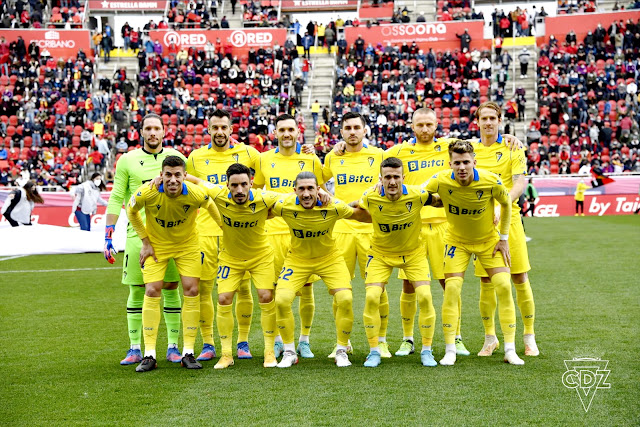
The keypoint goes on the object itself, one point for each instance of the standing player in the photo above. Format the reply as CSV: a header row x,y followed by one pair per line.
x,y
468,195
313,251
396,243
132,170
354,172
210,164
275,171
245,248
170,233
493,155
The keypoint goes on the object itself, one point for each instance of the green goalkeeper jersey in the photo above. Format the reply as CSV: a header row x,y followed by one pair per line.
x,y
132,170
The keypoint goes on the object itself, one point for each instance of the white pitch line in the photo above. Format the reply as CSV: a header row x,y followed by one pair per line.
x,y
62,269
12,257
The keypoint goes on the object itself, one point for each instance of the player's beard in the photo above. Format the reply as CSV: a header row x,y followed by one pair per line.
x,y
425,138
235,199
353,142
153,144
225,140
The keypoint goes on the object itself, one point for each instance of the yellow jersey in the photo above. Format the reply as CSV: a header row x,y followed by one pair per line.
x,y
170,220
580,190
421,162
311,229
470,208
243,233
211,166
277,172
396,224
354,173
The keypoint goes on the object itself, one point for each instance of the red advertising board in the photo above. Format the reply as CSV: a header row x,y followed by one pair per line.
x,y
384,10
59,43
596,205
582,23
127,5
436,35
240,40
318,5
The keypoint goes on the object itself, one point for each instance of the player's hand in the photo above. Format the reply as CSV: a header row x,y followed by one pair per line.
x,y
513,143
324,197
109,250
503,247
436,201
155,182
308,149
340,148
146,252
378,187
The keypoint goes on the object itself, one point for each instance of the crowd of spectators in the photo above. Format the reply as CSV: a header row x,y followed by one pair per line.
x,y
456,10
524,20
576,6
67,17
22,14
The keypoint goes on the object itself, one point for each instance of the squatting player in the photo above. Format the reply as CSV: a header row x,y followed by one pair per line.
x,y
468,195
355,171
132,170
313,251
275,171
169,233
210,164
396,243
492,154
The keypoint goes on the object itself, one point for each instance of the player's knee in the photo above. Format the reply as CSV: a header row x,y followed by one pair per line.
x,y
344,299
519,278
265,296
372,297
225,298
284,299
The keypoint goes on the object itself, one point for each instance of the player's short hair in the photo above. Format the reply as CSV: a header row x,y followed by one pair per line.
x,y
283,117
460,146
220,114
305,175
238,169
391,162
423,110
173,161
353,115
492,105
151,116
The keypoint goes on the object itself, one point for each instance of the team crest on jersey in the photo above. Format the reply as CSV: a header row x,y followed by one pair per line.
x,y
139,193
413,151
371,160
295,214
409,205
380,208
252,206
186,208
450,191
141,162
479,193
301,164
158,206
438,148
498,156
324,214
236,157
341,162
207,162
273,165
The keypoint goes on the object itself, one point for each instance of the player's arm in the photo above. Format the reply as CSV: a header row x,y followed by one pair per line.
x,y
213,211
258,178
501,195
133,213
359,214
114,206
512,142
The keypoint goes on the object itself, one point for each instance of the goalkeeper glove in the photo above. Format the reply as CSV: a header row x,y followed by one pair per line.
x,y
109,250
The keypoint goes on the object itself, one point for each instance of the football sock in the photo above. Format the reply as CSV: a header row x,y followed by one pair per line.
x,y
488,305
384,315
190,318
524,297
244,310
206,311
334,307
172,308
407,312
307,309
284,317
506,308
371,315
150,321
458,335
427,317
509,346
453,288
134,313
426,347
135,346
303,338
225,327
268,323
344,317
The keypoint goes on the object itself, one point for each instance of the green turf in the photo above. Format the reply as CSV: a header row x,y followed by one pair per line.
x,y
63,334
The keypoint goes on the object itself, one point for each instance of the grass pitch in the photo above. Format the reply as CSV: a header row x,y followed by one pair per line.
x,y
64,332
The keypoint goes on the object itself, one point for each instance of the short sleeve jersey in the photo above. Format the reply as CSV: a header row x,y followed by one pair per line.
x,y
396,224
277,172
172,219
211,166
469,208
243,225
311,229
354,173
132,170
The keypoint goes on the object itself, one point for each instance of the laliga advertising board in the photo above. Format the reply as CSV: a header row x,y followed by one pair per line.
x,y
240,40
59,43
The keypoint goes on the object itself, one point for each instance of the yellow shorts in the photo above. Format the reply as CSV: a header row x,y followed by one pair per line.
x,y
379,266
517,248
331,269
457,255
209,251
281,244
188,261
354,245
232,271
432,236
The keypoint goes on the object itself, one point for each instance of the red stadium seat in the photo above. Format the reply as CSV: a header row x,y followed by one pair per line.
x,y
554,169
